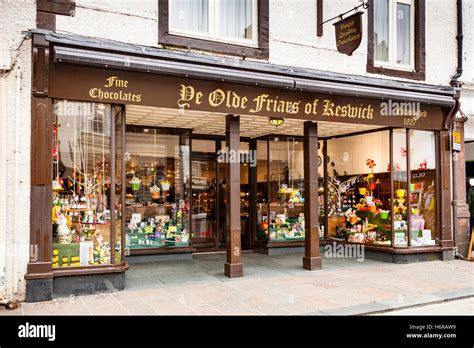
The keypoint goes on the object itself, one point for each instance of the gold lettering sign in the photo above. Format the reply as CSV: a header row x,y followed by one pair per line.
x,y
349,33
154,90
112,91
188,95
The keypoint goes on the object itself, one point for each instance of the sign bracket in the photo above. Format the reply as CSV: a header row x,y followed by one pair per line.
x,y
364,5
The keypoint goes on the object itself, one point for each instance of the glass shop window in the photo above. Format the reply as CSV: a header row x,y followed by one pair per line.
x,y
394,33
233,21
400,188
262,191
286,190
423,218
81,212
359,188
204,188
157,189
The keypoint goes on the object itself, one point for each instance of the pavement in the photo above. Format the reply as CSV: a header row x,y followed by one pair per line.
x,y
455,307
273,285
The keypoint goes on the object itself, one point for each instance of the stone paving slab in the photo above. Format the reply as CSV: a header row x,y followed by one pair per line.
x,y
456,307
272,285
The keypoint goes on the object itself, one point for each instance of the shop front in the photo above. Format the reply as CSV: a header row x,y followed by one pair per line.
x,y
164,153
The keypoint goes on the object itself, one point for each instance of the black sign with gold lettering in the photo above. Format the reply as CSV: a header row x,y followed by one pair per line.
x,y
126,87
349,33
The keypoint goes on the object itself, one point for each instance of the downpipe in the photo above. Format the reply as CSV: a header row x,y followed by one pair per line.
x,y
17,178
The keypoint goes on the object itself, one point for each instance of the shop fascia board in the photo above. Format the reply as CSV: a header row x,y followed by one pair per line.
x,y
102,53
256,66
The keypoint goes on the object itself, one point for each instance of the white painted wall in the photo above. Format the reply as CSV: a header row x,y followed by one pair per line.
x,y
293,39
14,214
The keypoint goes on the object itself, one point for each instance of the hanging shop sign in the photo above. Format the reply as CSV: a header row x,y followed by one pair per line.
x,y
124,87
349,33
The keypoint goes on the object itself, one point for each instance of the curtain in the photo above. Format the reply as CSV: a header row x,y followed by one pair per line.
x,y
192,15
403,34
381,27
235,19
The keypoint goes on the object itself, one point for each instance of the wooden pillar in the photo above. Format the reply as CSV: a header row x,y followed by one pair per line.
x,y
446,238
311,259
39,265
233,267
461,209
253,194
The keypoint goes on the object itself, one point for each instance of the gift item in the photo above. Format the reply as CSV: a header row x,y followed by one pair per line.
x,y
64,234
57,184
136,218
384,214
399,224
135,184
165,185
400,193
427,238
400,239
86,253
155,192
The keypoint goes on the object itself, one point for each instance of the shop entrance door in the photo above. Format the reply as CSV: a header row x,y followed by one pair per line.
x,y
209,197
244,205
204,193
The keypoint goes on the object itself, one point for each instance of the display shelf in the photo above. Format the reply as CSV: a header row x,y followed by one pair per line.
x,y
286,239
92,223
158,245
74,210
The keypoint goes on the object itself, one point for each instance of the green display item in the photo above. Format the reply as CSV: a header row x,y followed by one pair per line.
x,y
158,245
295,238
384,215
66,250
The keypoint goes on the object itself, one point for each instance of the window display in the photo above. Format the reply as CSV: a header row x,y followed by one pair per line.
x,y
285,191
400,188
157,188
359,190
422,188
81,213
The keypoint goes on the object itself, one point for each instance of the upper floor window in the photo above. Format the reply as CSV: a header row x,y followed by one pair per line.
x,y
396,38
237,27
233,21
394,33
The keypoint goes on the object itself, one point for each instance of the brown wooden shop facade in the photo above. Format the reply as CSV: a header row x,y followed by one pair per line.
x,y
75,69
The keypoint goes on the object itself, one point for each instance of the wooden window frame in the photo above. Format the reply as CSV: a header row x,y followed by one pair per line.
x,y
419,63
260,51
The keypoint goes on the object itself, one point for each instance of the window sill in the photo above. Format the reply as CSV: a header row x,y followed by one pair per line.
x,y
214,46
413,75
92,269
223,40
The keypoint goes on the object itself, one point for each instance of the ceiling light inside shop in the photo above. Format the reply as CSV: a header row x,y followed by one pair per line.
x,y
276,121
